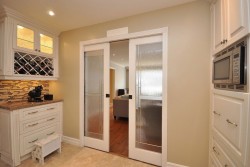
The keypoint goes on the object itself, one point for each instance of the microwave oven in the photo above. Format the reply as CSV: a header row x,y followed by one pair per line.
x,y
230,68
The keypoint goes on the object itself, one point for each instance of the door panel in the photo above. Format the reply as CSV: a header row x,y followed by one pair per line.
x,y
96,105
145,110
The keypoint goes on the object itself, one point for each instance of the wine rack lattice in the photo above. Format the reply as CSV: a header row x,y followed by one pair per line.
x,y
28,64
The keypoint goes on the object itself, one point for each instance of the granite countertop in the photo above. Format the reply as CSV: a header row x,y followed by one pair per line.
x,y
25,104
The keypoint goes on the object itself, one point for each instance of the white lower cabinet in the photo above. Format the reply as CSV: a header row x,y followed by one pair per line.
x,y
27,140
230,129
221,156
20,129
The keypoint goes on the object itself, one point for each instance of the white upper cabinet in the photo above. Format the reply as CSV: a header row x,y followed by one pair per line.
x,y
30,39
30,52
218,23
229,22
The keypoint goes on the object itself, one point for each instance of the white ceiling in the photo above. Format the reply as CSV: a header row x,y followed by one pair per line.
x,y
71,14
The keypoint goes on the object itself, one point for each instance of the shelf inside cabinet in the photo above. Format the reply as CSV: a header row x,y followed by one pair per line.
x,y
28,64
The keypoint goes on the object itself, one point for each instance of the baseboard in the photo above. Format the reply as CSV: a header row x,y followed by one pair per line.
x,y
169,164
71,140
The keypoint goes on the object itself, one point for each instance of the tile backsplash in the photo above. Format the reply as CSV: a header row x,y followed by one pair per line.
x,y
17,90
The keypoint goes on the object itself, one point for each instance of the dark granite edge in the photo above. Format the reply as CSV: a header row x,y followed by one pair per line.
x,y
24,104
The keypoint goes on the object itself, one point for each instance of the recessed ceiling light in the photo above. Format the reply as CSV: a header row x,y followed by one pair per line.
x,y
51,13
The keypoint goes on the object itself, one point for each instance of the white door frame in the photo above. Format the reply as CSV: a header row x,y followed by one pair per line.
x,y
161,31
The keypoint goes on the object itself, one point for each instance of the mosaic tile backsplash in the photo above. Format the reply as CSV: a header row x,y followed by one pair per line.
x,y
17,90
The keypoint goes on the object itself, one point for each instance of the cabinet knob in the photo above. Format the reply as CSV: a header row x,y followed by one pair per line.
x,y
35,49
225,41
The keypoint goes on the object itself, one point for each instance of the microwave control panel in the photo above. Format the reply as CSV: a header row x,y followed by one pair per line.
x,y
236,69
238,65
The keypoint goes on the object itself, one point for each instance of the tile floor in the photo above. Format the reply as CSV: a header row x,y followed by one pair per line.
x,y
73,156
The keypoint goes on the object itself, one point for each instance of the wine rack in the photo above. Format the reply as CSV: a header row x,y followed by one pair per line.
x,y
28,64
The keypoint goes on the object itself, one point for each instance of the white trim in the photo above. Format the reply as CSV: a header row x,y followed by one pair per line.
x,y
71,140
170,164
118,31
164,96
146,33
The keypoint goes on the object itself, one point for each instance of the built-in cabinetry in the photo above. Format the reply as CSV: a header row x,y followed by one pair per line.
x,y
230,128
230,110
29,50
230,22
20,129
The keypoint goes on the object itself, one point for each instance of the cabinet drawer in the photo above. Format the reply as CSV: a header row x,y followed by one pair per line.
x,y
29,125
27,140
228,119
220,154
229,124
214,162
38,111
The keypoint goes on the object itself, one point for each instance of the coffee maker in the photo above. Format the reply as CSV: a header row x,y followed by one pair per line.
x,y
35,94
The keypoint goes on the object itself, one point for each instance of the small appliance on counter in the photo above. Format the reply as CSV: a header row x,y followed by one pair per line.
x,y
48,97
35,94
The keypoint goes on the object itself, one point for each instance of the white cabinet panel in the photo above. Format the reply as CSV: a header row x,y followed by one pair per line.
x,y
218,20
230,22
230,126
29,125
5,134
220,154
27,140
228,121
39,111
237,20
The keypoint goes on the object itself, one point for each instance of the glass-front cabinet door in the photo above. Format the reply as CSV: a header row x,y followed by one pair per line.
x,y
25,37
46,44
32,40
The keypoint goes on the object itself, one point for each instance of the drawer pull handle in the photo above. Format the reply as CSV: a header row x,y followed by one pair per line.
x,y
33,125
51,133
50,108
33,141
228,121
50,119
226,165
216,151
217,113
32,112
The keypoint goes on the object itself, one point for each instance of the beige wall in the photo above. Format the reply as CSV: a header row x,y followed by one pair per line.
x,y
188,76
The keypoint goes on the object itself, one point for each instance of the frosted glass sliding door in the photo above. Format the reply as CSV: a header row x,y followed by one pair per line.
x,y
149,96
93,94
145,108
96,85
